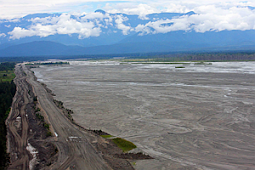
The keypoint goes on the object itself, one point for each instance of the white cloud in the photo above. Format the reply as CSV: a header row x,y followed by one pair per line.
x,y
85,26
94,15
18,8
119,22
63,24
2,35
217,19
132,9
211,15
210,18
163,26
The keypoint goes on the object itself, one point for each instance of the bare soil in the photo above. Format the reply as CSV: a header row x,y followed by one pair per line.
x,y
24,127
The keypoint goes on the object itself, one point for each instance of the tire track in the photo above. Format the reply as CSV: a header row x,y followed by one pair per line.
x,y
19,157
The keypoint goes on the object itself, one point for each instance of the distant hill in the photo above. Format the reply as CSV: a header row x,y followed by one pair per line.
x,y
38,48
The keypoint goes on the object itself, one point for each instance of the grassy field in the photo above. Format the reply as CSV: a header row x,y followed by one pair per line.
x,y
124,144
121,143
6,76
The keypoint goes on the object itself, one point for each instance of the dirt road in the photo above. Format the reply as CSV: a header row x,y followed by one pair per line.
x,y
17,124
75,149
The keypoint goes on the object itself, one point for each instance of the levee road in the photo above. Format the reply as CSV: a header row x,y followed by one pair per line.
x,y
74,148
17,124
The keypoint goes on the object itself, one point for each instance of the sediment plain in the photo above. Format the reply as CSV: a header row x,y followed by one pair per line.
x,y
198,117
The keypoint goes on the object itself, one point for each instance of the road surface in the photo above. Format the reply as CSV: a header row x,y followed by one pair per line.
x,y
17,124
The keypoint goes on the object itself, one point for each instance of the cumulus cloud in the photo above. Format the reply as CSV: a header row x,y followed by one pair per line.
x,y
210,18
85,26
119,22
217,15
218,19
63,24
132,9
94,15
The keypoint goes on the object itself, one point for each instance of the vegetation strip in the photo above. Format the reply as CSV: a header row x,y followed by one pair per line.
x,y
124,144
49,63
7,91
106,136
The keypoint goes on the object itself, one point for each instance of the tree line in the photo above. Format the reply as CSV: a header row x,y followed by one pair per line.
x,y
7,91
170,56
8,66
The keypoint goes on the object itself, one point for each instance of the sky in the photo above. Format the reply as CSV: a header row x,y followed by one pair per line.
x,y
210,15
19,8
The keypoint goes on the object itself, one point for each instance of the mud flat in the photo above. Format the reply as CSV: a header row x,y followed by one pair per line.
x,y
193,116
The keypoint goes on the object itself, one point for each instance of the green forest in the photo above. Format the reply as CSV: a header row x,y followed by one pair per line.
x,y
7,91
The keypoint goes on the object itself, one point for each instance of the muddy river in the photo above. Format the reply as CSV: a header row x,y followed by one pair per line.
x,y
201,116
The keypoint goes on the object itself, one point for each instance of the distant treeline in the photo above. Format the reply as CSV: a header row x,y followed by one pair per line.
x,y
7,66
181,56
206,57
7,91
52,63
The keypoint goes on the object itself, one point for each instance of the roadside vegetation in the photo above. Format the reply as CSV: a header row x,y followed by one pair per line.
x,y
40,117
7,91
66,111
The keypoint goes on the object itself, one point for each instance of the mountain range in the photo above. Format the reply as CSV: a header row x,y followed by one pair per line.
x,y
104,33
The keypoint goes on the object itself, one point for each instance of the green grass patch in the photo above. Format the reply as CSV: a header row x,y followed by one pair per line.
x,y
124,144
7,76
106,136
179,67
